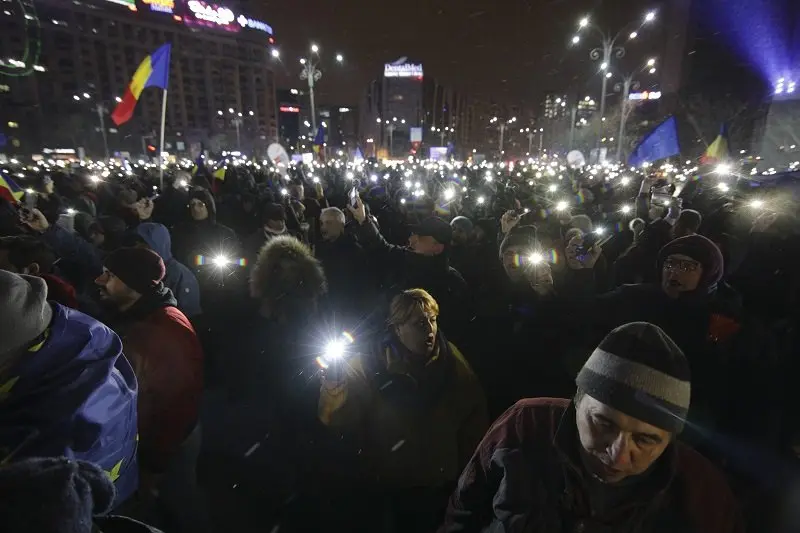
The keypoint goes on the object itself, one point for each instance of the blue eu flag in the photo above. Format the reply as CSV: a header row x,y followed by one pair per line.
x,y
660,143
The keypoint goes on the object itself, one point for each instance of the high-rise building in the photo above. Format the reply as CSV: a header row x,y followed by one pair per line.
x,y
409,109
555,106
84,53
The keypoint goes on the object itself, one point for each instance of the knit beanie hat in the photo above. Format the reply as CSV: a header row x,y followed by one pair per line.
x,y
519,236
53,495
24,312
141,269
582,222
638,370
702,250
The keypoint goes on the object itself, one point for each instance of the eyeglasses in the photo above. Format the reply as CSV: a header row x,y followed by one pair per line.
x,y
681,265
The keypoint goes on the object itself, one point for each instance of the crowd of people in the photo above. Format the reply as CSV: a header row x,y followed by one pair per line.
x,y
409,347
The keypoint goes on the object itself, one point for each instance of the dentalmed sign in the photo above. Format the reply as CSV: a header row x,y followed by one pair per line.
x,y
405,70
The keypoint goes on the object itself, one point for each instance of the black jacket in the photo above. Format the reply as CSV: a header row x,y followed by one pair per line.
x,y
402,269
351,283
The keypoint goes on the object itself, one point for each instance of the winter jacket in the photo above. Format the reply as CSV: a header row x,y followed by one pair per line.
x,y
179,279
73,395
168,360
351,283
527,477
403,269
206,237
418,421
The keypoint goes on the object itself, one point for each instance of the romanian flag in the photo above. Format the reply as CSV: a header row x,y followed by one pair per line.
x,y
153,72
10,190
219,173
718,150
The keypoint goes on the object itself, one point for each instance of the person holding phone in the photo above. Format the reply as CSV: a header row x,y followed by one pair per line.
x,y
423,263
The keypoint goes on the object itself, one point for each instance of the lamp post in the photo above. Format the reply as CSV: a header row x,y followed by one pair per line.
x,y
531,135
502,124
312,75
625,87
101,109
608,50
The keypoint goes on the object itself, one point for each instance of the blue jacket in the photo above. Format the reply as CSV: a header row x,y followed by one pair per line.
x,y
73,395
179,279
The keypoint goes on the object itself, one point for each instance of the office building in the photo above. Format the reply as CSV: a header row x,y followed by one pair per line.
x,y
221,85
555,106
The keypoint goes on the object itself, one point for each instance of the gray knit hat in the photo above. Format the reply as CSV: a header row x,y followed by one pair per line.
x,y
24,312
638,370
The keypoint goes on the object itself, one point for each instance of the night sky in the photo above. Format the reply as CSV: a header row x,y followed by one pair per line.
x,y
509,51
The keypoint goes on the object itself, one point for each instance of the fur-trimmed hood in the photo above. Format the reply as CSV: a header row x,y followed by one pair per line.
x,y
286,274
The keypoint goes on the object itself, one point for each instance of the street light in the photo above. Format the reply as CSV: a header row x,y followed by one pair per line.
x,y
634,35
312,74
608,49
584,22
276,53
651,62
502,125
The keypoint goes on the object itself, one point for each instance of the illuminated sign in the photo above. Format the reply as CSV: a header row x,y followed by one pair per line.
x,y
162,6
212,14
406,70
253,24
651,95
200,13
289,109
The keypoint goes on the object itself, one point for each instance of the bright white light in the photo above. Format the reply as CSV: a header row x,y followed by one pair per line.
x,y
651,62
599,230
334,350
603,65
650,17
220,261
29,191
723,169
576,40
402,201
284,192
634,35
373,178
302,61
626,209
535,258
94,179
183,183
449,194
481,200
76,98
553,188
118,99
757,204
652,70
339,58
584,22
608,74
276,53
562,206
86,95
314,48
71,211
723,187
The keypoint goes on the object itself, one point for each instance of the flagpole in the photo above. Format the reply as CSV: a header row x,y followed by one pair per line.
x,y
161,146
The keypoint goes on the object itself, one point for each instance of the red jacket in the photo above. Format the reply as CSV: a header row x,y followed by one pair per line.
x,y
525,478
168,360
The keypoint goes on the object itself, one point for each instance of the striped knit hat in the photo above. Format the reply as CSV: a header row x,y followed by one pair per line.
x,y
638,370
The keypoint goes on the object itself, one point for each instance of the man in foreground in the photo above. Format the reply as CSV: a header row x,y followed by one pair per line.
x,y
607,461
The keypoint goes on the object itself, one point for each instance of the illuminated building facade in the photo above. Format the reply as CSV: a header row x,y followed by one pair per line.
x,y
220,77
555,106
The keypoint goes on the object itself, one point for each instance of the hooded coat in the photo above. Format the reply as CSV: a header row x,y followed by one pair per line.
x,y
203,237
73,395
178,278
